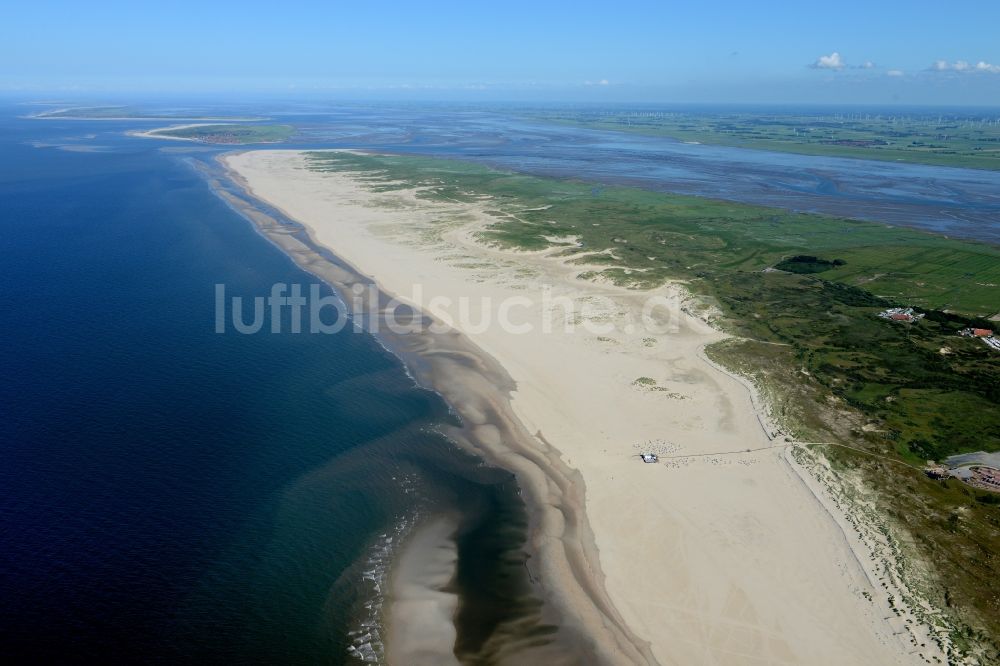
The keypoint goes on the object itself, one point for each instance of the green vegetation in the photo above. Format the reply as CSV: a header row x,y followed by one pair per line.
x,y
920,403
230,134
653,237
897,393
806,263
928,139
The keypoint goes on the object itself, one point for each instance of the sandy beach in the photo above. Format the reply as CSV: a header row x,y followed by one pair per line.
x,y
726,552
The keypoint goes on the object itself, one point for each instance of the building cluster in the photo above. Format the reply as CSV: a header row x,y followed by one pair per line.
x,y
908,315
986,478
984,334
900,314
983,477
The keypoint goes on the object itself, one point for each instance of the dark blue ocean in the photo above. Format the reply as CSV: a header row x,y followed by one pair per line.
x,y
170,494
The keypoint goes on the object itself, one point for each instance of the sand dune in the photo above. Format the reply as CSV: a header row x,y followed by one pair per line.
x,y
716,555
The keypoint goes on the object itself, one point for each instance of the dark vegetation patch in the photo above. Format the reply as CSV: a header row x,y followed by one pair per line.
x,y
806,263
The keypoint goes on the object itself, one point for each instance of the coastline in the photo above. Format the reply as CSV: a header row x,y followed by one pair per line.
x,y
694,600
561,563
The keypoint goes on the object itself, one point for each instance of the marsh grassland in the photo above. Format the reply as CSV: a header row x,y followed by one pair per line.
x,y
971,141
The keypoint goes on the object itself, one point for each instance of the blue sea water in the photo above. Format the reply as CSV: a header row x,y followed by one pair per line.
x,y
170,494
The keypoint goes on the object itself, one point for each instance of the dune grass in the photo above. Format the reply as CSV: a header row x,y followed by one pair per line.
x,y
935,403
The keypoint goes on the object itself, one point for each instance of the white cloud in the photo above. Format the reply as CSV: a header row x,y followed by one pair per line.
x,y
868,64
963,66
602,82
832,61
895,72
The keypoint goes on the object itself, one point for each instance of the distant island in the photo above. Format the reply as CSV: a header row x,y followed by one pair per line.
x,y
223,134
131,113
233,131
925,138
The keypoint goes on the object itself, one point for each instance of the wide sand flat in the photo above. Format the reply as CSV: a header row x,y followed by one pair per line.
x,y
719,559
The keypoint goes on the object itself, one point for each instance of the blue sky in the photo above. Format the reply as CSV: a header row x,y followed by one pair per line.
x,y
839,51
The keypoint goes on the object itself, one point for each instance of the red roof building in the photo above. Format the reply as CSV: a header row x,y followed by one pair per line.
x,y
982,332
